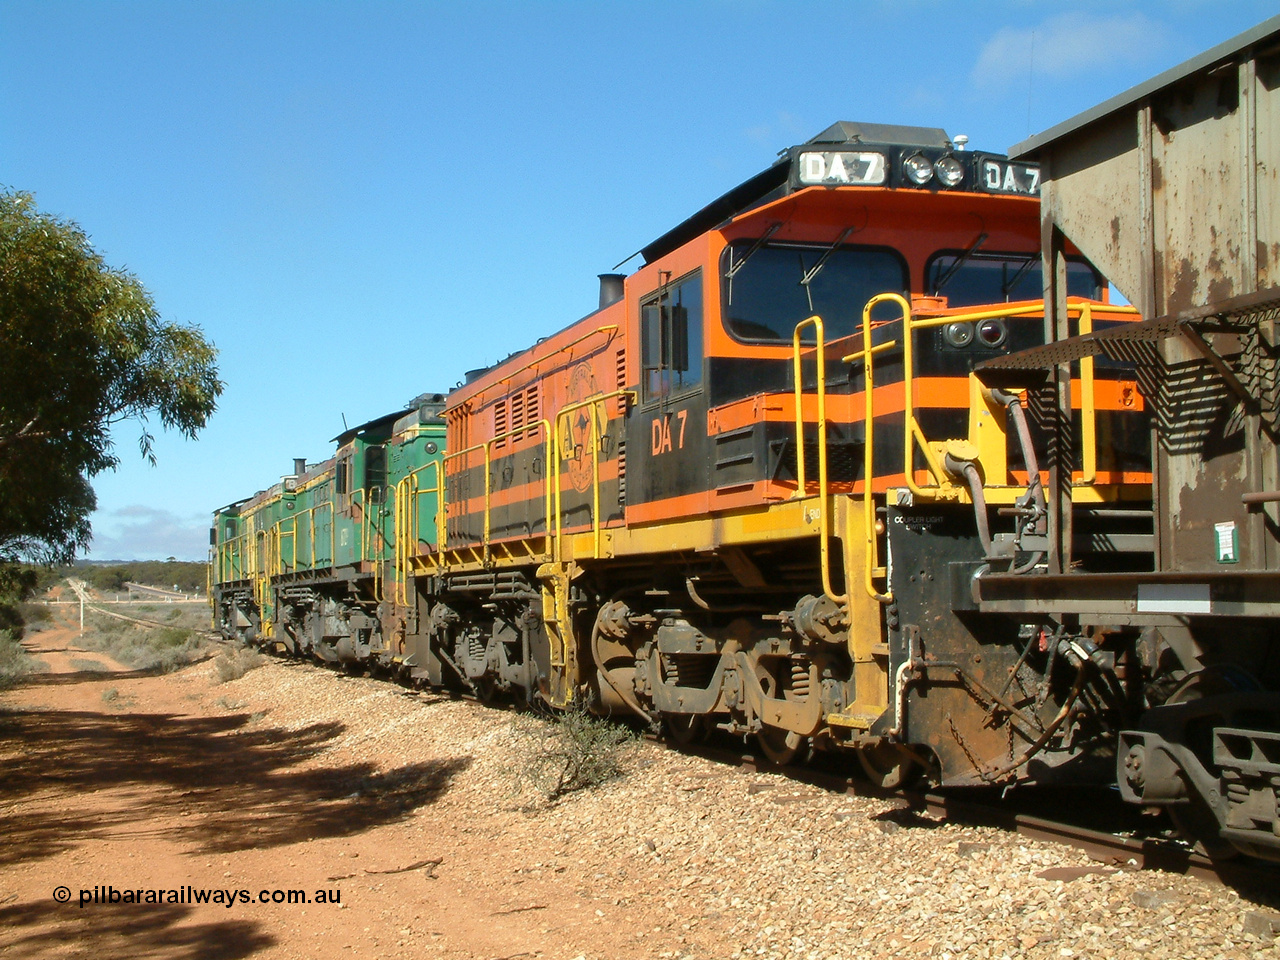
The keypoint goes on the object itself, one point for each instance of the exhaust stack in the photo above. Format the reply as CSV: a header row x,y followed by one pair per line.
x,y
611,288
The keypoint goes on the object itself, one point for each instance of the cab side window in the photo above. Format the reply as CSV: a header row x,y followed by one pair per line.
x,y
671,338
342,479
375,472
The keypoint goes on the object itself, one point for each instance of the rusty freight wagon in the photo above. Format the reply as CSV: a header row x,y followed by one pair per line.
x,y
1173,190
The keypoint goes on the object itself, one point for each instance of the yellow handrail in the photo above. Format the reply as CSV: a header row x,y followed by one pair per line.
x,y
260,572
404,499
1088,405
375,549
310,514
871,560
911,432
280,534
407,522
595,464
913,435
824,520
1088,399
486,446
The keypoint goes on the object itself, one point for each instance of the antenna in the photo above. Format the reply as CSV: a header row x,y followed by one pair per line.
x,y
344,423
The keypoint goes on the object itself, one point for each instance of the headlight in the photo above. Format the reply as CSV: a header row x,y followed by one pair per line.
x,y
993,333
958,334
918,169
950,171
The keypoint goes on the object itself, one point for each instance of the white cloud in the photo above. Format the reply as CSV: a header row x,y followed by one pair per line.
x,y
1064,47
139,532
785,126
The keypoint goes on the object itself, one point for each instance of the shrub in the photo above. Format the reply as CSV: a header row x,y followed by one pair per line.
x,y
15,662
574,751
36,616
171,637
140,646
235,663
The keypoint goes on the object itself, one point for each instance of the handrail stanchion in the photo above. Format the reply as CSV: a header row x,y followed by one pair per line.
x,y
871,563
824,518
595,472
1088,406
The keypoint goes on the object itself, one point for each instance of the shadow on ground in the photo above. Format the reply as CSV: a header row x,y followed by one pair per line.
x,y
212,784
151,933
49,679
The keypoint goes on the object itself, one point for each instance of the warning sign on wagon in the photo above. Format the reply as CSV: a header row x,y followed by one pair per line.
x,y
1228,545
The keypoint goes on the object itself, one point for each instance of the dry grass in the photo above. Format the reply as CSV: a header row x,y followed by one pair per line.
x,y
144,646
575,750
235,663
15,662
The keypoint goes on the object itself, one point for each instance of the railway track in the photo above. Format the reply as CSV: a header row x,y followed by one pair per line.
x,y
1139,845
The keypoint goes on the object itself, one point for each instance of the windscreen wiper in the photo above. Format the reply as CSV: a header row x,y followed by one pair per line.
x,y
751,252
960,262
822,262
826,255
1022,272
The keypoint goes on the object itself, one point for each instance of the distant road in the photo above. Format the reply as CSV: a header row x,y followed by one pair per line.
x,y
81,590
155,591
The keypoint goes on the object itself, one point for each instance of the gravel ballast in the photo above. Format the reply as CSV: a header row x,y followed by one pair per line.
x,y
691,858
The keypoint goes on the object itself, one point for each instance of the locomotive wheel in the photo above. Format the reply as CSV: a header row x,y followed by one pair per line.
x,y
1194,820
686,729
486,689
781,746
887,765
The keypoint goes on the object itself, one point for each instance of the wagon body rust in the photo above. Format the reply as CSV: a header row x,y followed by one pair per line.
x,y
1173,190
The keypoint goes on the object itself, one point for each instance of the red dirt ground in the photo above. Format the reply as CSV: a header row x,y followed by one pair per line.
x,y
157,787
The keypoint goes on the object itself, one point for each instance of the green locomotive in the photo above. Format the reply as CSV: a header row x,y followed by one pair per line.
x,y
315,565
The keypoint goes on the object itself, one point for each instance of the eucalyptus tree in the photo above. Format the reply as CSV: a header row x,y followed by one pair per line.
x,y
82,349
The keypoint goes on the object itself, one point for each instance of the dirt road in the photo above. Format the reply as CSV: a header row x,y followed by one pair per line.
x,y
159,787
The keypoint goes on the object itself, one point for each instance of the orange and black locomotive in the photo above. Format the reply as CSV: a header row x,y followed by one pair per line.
x,y
753,490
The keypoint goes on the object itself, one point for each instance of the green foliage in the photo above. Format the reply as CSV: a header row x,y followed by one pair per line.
x,y
35,616
188,577
42,577
82,348
16,584
575,751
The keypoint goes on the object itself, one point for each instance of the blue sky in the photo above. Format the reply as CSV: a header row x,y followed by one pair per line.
x,y
359,201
